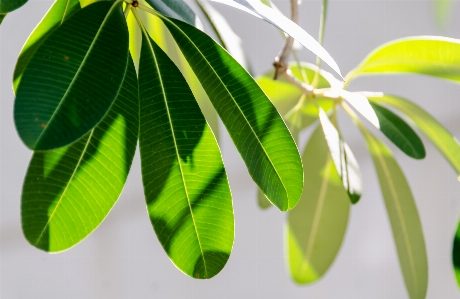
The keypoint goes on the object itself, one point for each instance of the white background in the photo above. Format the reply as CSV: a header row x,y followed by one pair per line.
x,y
123,258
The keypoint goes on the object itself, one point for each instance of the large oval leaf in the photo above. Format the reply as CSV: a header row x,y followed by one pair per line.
x,y
316,227
456,254
252,121
68,192
399,132
56,15
73,78
428,55
343,158
7,6
404,218
185,184
256,8
446,143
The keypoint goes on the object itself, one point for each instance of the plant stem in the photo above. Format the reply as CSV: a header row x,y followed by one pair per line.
x,y
322,24
127,9
280,63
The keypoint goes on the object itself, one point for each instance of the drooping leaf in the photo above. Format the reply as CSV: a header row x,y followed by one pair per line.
x,y
399,132
69,191
225,34
428,55
73,78
56,15
456,254
252,121
343,158
185,184
404,218
285,96
7,6
316,227
362,105
2,16
446,143
177,9
260,10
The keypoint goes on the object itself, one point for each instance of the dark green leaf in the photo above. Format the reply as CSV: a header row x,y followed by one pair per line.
x,y
2,16
176,9
446,143
55,16
399,132
428,55
343,158
7,6
404,218
456,254
260,10
185,184
73,78
68,192
317,225
255,126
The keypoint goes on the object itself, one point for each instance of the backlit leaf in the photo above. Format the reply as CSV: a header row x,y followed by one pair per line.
x,y
68,192
428,55
185,184
252,121
343,158
316,227
56,15
73,78
446,143
404,218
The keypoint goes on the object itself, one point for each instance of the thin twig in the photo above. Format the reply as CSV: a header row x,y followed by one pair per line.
x,y
280,63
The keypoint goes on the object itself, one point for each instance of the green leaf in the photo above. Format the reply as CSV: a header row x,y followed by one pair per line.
x,y
428,55
285,96
68,192
404,218
343,158
185,184
399,132
442,10
316,227
262,200
456,254
7,6
73,78
252,121
446,143
56,15
225,34
260,10
2,16
176,9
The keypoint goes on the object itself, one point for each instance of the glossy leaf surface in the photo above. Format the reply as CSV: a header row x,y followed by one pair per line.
x,y
56,15
88,55
399,132
404,218
260,10
343,158
68,192
177,9
7,6
456,254
252,121
446,143
427,55
185,184
316,227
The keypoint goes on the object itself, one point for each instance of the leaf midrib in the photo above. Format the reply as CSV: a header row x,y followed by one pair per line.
x,y
66,187
78,71
236,104
176,149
